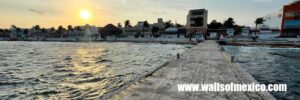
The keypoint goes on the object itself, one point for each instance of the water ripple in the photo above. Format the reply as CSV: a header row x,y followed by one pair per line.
x,y
55,70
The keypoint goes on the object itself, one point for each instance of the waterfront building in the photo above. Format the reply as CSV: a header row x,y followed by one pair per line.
x,y
197,21
230,32
246,32
16,33
216,33
139,26
291,19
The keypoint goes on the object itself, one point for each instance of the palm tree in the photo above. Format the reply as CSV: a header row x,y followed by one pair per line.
x,y
13,26
145,25
178,25
17,30
169,24
52,29
70,28
127,24
155,31
43,30
257,22
61,30
229,23
77,28
37,27
215,25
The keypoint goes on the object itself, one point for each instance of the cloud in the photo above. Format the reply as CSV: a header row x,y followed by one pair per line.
x,y
37,11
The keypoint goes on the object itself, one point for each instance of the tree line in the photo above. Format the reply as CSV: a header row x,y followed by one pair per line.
x,y
230,23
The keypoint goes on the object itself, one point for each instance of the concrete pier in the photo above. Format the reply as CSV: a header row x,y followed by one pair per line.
x,y
202,64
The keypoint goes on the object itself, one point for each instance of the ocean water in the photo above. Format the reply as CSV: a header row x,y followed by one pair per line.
x,y
60,70
271,66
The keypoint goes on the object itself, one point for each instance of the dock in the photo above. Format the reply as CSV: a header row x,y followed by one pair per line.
x,y
205,63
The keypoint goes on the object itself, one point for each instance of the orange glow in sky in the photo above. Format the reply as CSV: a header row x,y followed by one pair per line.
x,y
53,13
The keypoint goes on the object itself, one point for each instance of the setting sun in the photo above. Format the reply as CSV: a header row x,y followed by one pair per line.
x,y
85,14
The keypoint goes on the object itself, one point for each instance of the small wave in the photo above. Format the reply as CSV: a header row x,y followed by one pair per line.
x,y
4,64
10,83
63,70
59,66
47,92
91,80
103,61
68,58
240,61
74,93
11,96
286,55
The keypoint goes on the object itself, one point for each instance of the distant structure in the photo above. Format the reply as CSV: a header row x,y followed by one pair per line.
x,y
197,21
160,24
291,19
139,26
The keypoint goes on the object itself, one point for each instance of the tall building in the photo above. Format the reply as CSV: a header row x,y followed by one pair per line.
x,y
160,23
197,21
291,19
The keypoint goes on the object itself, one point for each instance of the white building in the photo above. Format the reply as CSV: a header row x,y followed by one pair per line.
x,y
230,32
246,32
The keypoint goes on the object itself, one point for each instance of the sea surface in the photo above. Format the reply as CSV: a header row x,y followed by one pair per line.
x,y
271,66
61,70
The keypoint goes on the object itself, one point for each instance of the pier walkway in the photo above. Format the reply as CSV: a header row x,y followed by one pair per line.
x,y
202,64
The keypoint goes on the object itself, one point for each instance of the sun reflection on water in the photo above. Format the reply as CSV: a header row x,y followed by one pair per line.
x,y
84,61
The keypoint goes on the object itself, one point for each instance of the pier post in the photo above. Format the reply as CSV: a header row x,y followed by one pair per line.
x,y
232,59
178,57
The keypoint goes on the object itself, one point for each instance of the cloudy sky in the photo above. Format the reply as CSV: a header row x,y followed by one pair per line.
x,y
47,13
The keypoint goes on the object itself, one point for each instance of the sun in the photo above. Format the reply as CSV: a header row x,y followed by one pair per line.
x,y
85,14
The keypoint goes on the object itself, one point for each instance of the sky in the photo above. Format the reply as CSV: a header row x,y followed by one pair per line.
x,y
48,13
